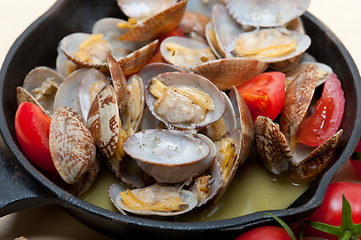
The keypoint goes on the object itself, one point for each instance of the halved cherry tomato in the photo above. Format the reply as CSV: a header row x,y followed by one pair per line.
x,y
327,116
157,57
265,233
264,94
32,130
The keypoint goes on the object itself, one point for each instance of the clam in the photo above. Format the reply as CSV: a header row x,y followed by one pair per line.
x,y
184,100
43,83
277,156
71,146
91,50
156,25
152,200
271,45
23,95
86,50
226,30
185,53
148,72
266,13
277,147
170,156
212,185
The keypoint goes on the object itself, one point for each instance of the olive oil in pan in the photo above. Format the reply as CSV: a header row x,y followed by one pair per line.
x,y
253,189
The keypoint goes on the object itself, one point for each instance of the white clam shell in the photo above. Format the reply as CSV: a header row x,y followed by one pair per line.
x,y
68,92
170,156
266,13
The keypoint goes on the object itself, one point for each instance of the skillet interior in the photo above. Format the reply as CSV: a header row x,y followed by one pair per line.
x,y
37,47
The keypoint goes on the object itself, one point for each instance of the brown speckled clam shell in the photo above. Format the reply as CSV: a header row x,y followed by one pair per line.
x,y
103,121
71,145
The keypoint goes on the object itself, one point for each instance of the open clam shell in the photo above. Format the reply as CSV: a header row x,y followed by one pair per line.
x,y
303,164
70,45
70,92
112,32
185,52
272,35
266,13
43,83
71,145
178,79
170,156
24,96
161,192
158,24
226,30
228,72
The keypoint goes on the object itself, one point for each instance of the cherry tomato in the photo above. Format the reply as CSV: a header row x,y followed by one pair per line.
x,y
32,131
264,94
327,116
265,233
330,211
157,57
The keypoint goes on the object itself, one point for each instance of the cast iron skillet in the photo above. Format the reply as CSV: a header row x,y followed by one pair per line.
x,y
22,186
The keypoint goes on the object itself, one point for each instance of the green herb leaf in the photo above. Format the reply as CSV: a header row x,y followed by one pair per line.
x,y
346,220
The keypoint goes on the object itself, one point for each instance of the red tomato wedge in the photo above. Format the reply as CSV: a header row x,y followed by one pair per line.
x,y
264,94
327,116
32,131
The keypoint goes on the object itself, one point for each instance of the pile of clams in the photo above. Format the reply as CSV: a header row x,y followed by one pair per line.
x,y
175,131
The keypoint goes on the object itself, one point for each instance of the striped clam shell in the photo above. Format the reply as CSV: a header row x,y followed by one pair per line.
x,y
71,145
103,121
